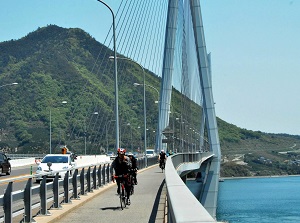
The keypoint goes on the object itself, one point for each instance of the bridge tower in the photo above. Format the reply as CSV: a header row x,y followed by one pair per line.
x,y
209,123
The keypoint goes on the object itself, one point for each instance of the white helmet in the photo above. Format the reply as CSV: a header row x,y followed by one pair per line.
x,y
162,151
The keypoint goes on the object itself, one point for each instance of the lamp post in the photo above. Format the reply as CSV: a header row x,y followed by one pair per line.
x,y
106,134
180,119
50,127
153,139
116,76
8,84
131,139
137,84
156,102
180,139
145,115
85,132
128,124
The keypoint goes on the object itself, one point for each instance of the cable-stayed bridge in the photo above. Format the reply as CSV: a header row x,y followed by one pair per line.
x,y
167,38
164,42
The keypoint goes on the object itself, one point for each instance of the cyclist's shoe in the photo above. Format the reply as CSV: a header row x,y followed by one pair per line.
x,y
128,202
135,183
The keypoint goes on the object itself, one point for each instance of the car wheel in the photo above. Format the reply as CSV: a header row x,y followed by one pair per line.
x,y
9,171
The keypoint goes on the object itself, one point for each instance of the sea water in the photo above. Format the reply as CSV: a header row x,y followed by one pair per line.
x,y
258,200
271,199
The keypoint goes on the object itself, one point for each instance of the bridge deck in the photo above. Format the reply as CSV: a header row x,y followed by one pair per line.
x,y
147,203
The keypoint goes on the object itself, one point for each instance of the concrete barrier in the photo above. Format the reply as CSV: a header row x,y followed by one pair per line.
x,y
93,159
22,162
81,160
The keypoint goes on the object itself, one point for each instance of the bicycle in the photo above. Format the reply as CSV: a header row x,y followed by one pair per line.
x,y
162,165
131,180
122,195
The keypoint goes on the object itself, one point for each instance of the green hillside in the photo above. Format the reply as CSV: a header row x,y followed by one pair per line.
x,y
54,64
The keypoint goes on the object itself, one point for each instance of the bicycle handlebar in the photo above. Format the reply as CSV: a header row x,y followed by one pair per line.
x,y
120,176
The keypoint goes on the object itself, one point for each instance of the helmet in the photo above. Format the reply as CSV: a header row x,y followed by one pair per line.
x,y
121,151
162,151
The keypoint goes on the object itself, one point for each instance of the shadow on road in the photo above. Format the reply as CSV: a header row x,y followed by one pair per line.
x,y
156,203
111,208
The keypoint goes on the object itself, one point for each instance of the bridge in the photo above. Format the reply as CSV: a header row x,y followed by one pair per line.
x,y
90,194
153,191
186,123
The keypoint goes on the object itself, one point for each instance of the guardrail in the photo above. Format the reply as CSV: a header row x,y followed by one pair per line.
x,y
49,195
183,206
22,156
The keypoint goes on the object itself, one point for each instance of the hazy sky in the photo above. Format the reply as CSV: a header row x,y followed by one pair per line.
x,y
255,47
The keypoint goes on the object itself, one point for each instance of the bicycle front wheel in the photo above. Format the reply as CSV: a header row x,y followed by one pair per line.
x,y
122,198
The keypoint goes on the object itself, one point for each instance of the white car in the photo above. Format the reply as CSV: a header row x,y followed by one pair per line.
x,y
150,153
54,162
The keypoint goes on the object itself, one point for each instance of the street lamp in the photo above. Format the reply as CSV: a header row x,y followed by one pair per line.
x,y
8,84
116,76
137,84
106,134
145,122
50,133
85,132
156,102
128,124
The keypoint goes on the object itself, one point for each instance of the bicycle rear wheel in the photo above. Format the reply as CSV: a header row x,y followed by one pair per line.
x,y
131,189
162,167
131,185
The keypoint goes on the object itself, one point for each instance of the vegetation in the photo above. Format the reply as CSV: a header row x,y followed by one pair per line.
x,y
53,64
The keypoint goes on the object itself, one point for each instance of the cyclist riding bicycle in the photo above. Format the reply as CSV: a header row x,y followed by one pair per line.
x,y
121,165
134,167
162,157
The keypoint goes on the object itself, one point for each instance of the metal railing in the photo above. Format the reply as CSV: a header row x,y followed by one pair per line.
x,y
24,156
23,205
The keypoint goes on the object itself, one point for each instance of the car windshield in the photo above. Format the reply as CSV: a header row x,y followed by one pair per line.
x,y
55,159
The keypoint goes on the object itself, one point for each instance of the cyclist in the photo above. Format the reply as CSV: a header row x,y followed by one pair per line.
x,y
121,165
134,167
162,157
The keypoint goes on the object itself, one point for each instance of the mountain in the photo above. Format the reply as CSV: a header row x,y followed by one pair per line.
x,y
54,64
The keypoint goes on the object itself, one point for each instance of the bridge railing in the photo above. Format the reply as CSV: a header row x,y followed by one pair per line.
x,y
183,206
23,205
14,156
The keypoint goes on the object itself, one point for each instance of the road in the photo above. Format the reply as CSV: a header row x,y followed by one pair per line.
x,y
147,204
17,172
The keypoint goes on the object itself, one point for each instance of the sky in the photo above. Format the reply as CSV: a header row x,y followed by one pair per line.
x,y
254,46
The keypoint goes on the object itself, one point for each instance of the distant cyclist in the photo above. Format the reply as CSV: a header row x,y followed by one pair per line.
x,y
121,165
162,157
134,167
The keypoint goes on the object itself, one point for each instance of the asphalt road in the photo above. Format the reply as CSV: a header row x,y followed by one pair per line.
x,y
17,172
147,203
